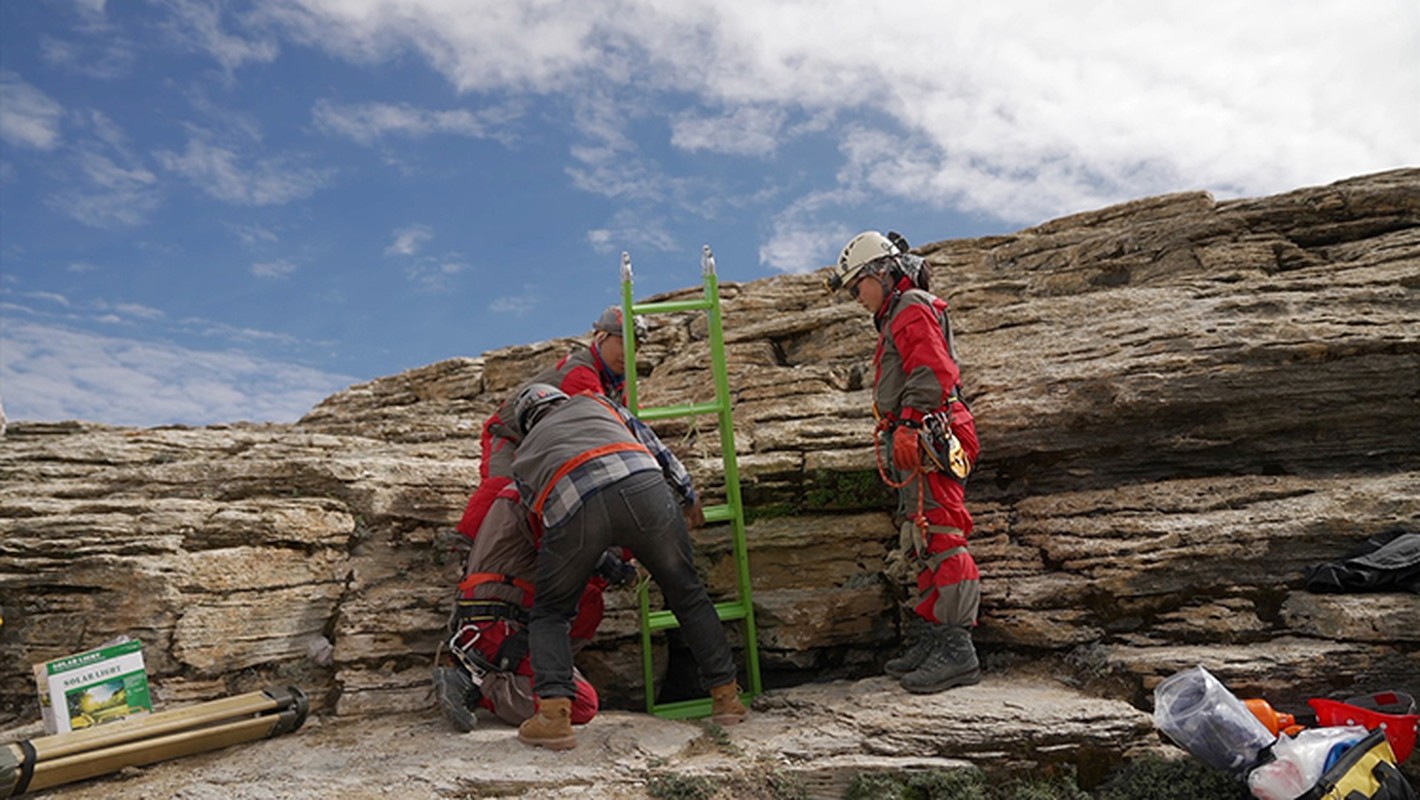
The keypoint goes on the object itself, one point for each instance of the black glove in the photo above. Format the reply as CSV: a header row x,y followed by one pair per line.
x,y
616,571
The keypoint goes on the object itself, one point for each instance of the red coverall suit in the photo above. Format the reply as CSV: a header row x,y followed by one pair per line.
x,y
494,600
916,376
581,370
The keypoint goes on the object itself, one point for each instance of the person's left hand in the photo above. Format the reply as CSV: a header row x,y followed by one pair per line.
x,y
694,515
616,571
905,453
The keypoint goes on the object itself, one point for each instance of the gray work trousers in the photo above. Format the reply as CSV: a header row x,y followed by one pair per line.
x,y
638,512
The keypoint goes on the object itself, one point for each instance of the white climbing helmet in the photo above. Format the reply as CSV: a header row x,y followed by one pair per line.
x,y
861,250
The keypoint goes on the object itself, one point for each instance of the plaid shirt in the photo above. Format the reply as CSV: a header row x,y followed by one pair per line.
x,y
568,494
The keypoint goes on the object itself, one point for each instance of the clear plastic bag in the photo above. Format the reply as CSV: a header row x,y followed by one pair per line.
x,y
1299,761
1197,712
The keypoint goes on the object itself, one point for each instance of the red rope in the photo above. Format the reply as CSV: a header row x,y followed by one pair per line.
x,y
919,474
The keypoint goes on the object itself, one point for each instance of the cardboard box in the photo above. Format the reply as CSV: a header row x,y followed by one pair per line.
x,y
91,688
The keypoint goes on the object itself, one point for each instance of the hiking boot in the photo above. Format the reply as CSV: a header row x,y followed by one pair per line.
x,y
726,708
551,726
919,634
951,663
458,697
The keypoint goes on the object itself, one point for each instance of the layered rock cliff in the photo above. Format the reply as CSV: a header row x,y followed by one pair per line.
x,y
1182,403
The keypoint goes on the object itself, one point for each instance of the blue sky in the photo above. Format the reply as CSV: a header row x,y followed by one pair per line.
x,y
212,212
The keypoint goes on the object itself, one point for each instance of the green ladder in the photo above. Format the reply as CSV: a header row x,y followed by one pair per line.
x,y
732,511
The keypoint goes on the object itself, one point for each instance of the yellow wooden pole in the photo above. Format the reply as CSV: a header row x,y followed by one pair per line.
x,y
62,758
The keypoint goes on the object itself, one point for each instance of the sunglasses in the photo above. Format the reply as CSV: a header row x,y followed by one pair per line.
x,y
853,288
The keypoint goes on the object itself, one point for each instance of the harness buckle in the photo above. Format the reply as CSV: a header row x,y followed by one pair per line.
x,y
469,657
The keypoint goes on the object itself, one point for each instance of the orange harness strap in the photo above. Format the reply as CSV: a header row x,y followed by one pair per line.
x,y
474,579
595,452
579,460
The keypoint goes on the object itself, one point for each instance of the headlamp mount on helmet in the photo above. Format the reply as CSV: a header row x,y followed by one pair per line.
x,y
610,322
532,402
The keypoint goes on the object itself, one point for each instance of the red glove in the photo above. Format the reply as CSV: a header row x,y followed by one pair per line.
x,y
905,453
694,515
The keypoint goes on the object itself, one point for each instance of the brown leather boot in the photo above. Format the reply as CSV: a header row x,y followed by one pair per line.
x,y
726,708
551,726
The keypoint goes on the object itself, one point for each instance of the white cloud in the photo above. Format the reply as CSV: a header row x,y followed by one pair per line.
x,y
526,46
631,231
102,172
1022,111
28,116
436,274
746,131
517,306
408,240
279,268
197,25
368,122
105,184
234,333
220,173
428,271
801,249
91,8
105,54
58,309
252,235
138,310
799,241
57,299
56,373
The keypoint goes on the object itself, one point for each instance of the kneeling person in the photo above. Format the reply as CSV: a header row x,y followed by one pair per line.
x,y
490,667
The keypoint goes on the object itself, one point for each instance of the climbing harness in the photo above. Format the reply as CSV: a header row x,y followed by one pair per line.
x,y
472,618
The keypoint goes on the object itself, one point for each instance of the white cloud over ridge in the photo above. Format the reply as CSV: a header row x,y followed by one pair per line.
x,y
630,232
1021,111
518,306
56,373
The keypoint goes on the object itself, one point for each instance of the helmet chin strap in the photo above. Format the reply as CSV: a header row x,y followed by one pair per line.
x,y
889,293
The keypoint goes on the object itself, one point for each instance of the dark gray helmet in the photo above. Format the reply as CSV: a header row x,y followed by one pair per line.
x,y
531,401
610,322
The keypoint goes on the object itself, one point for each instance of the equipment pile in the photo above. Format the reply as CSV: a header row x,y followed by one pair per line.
x,y
1344,750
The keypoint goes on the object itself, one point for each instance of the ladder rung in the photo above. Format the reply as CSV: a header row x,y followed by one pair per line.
x,y
664,620
684,709
687,410
690,709
670,306
719,513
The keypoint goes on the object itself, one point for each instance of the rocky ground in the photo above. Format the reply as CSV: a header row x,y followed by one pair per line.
x,y
811,740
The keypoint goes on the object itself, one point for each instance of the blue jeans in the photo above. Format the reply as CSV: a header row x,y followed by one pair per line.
x,y
638,512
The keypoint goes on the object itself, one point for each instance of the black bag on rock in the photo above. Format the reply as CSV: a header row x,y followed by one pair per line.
x,y
1386,562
